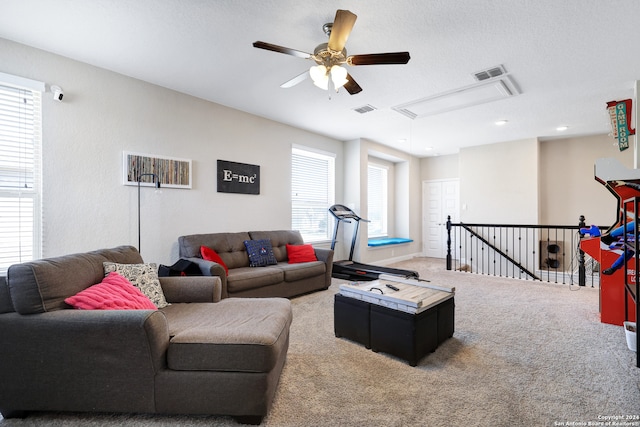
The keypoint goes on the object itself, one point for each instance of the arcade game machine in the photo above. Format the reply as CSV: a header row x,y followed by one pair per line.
x,y
352,270
614,248
608,247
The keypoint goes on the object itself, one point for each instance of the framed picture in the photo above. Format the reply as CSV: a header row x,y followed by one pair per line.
x,y
172,172
234,177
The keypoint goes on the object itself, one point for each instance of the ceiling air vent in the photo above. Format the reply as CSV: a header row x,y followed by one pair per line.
x,y
490,73
364,109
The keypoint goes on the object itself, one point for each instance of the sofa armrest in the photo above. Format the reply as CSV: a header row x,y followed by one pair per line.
x,y
178,289
210,268
106,356
326,255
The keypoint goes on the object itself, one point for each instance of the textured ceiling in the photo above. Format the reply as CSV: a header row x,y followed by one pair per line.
x,y
567,58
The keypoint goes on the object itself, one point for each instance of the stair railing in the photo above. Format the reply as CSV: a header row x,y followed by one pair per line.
x,y
548,253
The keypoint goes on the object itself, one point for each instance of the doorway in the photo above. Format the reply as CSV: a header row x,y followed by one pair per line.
x,y
440,198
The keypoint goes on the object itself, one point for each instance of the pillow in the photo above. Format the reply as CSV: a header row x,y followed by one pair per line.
x,y
210,255
113,293
143,277
301,253
260,253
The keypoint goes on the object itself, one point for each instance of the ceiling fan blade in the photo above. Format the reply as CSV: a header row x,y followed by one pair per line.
x,y
342,26
379,58
294,81
281,49
351,86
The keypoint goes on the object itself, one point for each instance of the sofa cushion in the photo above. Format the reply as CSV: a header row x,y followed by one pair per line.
x,y
42,285
143,277
210,255
242,279
260,253
301,271
301,253
115,292
279,240
235,334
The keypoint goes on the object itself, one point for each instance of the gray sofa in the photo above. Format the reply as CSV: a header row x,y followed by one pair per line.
x,y
280,280
199,355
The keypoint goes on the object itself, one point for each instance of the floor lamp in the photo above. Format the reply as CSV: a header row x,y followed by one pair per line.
x,y
156,181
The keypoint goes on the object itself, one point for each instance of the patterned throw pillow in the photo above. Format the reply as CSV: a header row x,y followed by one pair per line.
x,y
143,277
260,253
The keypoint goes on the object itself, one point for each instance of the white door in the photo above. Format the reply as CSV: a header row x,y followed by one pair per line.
x,y
440,199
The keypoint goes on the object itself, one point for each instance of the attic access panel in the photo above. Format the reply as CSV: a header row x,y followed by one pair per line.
x,y
479,93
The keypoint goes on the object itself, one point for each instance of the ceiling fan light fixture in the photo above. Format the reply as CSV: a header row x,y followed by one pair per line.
x,y
339,76
320,76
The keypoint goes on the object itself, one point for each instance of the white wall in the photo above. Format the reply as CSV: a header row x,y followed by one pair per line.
x,y
440,167
499,183
87,207
566,184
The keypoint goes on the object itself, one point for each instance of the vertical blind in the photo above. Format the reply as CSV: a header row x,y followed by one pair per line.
x,y
377,200
312,193
20,139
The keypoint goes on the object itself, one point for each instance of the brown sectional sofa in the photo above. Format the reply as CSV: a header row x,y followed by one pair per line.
x,y
280,280
199,355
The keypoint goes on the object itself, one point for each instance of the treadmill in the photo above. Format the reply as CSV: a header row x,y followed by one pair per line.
x,y
352,270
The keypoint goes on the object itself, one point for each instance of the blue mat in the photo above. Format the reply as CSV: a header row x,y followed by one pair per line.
x,y
388,241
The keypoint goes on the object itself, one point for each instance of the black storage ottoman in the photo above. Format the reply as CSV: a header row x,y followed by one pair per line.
x,y
407,336
351,319
401,334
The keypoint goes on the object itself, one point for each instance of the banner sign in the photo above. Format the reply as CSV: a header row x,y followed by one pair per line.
x,y
620,115
238,178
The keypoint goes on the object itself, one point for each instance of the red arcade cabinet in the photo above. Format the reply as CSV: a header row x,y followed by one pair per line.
x,y
615,257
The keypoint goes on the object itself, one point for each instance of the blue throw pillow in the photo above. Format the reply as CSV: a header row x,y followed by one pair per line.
x,y
260,252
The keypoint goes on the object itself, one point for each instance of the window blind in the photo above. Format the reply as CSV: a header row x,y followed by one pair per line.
x,y
20,140
312,193
377,200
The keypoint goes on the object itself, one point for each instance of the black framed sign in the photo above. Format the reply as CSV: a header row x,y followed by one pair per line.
x,y
238,178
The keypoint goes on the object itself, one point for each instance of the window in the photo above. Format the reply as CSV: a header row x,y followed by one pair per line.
x,y
377,200
312,193
20,138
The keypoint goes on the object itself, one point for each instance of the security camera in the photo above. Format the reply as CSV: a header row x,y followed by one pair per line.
x,y
58,93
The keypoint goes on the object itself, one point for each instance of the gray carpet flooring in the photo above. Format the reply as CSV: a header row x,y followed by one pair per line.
x,y
523,353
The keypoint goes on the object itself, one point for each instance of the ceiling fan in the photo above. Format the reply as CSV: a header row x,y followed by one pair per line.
x,y
330,56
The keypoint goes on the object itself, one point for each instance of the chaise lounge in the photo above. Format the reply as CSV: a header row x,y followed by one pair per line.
x,y
198,355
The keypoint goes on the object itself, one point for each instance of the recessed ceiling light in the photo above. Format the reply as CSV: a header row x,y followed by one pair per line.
x,y
402,140
562,128
502,122
428,148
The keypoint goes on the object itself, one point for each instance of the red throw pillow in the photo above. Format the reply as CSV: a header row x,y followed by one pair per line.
x,y
301,253
210,255
114,293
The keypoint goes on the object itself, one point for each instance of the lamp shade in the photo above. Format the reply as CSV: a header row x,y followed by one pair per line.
x,y
338,76
319,76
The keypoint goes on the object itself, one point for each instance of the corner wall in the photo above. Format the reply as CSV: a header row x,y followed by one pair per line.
x,y
499,183
407,193
568,188
565,173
